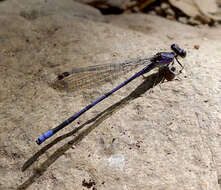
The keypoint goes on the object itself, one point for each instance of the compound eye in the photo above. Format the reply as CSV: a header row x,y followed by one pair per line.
x,y
178,50
183,54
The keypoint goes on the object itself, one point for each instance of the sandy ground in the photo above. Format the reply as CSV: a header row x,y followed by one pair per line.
x,y
165,140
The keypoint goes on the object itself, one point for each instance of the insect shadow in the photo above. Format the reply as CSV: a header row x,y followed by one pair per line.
x,y
148,83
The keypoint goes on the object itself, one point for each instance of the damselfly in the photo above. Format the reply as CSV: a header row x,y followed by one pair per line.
x,y
82,77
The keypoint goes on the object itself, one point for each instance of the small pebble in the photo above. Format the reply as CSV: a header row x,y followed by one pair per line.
x,y
164,6
152,13
170,17
170,37
158,10
136,9
196,46
183,20
203,19
169,12
193,22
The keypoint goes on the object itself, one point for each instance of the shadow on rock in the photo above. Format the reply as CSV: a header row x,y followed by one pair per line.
x,y
151,80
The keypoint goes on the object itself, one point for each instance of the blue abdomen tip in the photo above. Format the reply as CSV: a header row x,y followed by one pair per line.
x,y
43,137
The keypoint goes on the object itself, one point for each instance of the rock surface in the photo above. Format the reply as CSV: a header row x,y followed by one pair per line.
x,y
120,4
209,9
167,139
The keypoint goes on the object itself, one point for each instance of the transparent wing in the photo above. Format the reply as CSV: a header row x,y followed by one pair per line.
x,y
88,77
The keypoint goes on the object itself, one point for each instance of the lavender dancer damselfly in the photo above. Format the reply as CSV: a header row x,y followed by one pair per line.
x,y
161,59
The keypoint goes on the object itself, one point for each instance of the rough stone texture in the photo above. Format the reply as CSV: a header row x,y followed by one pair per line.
x,y
104,4
31,10
204,8
168,139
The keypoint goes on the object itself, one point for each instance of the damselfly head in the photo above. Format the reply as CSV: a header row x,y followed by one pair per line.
x,y
178,50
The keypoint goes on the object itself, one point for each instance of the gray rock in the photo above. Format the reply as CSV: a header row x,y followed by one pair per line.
x,y
170,17
183,20
193,21
120,4
31,9
168,139
164,6
170,12
158,10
